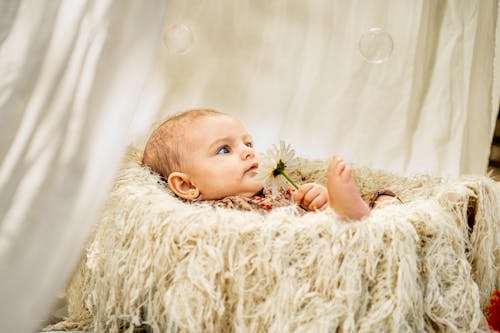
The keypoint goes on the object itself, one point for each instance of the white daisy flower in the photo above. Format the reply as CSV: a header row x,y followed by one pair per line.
x,y
272,169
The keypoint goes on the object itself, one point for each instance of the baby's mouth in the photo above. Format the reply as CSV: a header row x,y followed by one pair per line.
x,y
253,168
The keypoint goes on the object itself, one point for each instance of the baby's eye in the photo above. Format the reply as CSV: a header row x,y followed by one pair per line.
x,y
223,150
249,144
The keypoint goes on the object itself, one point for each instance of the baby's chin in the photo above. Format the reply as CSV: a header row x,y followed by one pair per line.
x,y
250,194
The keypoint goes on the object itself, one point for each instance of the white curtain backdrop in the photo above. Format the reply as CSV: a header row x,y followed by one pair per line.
x,y
71,73
409,86
323,76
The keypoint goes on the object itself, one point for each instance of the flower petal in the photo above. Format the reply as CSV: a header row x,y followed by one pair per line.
x,y
269,165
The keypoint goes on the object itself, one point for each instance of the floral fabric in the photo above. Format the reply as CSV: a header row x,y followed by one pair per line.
x,y
265,201
262,202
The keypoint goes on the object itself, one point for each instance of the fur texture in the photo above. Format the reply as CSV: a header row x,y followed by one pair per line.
x,y
427,265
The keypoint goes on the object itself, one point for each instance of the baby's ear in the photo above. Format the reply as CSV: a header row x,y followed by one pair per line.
x,y
180,184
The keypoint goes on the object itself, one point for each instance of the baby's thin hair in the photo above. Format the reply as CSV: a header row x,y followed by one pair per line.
x,y
164,149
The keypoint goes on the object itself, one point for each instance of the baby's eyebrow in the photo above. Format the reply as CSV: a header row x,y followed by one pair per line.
x,y
219,141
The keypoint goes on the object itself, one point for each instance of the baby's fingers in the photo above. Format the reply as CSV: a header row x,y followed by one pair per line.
x,y
325,206
311,195
298,196
319,203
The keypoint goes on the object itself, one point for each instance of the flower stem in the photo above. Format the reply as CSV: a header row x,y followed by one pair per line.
x,y
289,180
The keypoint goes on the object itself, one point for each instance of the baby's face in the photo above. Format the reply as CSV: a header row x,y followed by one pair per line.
x,y
220,159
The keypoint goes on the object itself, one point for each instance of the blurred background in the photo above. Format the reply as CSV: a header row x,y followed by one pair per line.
x,y
403,87
494,161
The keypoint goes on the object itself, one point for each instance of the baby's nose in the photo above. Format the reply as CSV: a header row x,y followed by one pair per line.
x,y
248,152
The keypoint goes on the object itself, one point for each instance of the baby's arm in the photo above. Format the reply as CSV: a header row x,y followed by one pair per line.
x,y
311,197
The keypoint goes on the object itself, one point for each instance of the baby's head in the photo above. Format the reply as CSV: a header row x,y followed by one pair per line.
x,y
204,154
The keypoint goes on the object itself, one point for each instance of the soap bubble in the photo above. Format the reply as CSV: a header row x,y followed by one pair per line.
x,y
178,38
375,45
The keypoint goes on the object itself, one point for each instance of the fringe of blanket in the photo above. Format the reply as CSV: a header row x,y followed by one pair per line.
x,y
155,261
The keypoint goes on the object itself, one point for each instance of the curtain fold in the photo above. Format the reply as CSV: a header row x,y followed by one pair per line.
x,y
71,76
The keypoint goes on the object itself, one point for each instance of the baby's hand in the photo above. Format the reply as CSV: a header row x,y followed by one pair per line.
x,y
311,197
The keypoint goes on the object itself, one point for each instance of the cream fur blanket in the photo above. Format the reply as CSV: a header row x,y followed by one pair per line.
x,y
158,262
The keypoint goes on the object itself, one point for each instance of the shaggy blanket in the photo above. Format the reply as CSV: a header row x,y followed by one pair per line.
x,y
156,262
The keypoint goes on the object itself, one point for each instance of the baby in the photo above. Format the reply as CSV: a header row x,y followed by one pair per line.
x,y
208,155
